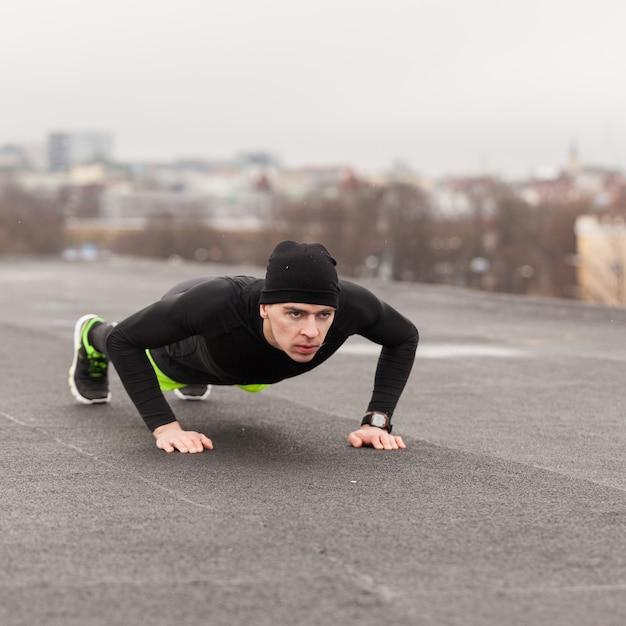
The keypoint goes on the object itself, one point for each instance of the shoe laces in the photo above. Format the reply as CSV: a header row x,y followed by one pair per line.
x,y
97,363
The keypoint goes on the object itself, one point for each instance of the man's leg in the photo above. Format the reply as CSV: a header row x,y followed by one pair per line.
x,y
193,392
88,375
98,335
190,392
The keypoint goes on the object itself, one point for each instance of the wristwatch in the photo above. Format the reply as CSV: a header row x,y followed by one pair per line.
x,y
378,419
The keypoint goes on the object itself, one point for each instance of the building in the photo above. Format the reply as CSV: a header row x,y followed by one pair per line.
x,y
601,259
67,149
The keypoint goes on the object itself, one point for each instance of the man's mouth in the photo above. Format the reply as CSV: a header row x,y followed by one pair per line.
x,y
307,348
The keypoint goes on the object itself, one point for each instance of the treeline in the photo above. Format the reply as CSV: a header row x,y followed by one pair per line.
x,y
502,243
30,224
395,231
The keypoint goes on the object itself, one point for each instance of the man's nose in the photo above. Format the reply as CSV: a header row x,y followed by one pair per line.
x,y
310,328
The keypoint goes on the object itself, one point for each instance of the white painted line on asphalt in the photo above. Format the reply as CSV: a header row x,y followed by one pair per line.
x,y
439,351
564,589
91,455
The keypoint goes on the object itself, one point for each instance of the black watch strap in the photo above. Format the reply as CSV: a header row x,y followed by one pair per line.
x,y
378,419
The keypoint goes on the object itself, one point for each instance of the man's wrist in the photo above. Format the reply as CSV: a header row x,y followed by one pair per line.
x,y
164,428
379,419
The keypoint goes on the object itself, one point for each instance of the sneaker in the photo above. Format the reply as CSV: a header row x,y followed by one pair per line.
x,y
193,392
88,378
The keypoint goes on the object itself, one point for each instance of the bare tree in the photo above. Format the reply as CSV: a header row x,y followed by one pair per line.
x,y
406,224
344,218
558,243
30,224
518,260
164,235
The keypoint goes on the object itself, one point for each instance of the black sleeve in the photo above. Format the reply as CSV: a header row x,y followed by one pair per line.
x,y
204,309
398,337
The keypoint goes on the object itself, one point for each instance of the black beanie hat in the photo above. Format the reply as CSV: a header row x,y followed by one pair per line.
x,y
301,272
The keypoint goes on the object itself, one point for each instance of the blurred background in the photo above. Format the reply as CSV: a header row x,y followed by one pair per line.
x,y
474,143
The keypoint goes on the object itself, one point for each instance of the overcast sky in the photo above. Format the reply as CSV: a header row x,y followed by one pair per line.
x,y
454,86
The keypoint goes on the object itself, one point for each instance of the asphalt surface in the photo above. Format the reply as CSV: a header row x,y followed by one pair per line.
x,y
508,506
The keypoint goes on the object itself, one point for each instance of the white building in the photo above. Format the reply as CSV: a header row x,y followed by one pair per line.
x,y
67,149
601,247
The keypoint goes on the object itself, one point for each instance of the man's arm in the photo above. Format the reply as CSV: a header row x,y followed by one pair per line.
x,y
381,323
399,338
140,381
200,310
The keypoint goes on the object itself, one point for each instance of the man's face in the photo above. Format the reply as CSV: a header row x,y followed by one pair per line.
x,y
297,329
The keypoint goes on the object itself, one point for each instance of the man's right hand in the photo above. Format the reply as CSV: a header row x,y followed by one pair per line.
x,y
171,437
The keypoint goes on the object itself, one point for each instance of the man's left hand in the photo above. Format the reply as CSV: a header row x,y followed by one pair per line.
x,y
375,437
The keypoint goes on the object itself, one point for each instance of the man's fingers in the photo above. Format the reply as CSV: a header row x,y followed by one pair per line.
x,y
394,443
377,442
206,442
354,441
375,438
386,442
192,444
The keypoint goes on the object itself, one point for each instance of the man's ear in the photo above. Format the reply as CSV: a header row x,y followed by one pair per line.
x,y
263,311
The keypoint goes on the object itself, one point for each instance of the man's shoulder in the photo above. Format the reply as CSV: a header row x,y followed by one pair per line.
x,y
231,283
351,292
358,306
244,282
220,303
214,293
245,293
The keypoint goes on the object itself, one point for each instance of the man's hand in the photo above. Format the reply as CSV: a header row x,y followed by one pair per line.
x,y
170,437
375,437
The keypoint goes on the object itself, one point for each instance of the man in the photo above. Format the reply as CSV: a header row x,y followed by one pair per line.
x,y
249,332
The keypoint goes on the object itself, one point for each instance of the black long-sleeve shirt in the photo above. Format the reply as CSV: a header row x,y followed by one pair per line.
x,y
213,333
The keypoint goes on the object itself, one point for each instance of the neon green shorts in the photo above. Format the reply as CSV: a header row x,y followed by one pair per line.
x,y
167,384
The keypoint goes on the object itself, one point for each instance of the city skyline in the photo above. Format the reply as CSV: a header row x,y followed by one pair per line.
x,y
446,87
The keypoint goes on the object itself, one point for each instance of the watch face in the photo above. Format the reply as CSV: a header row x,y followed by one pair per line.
x,y
379,420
